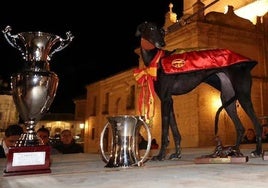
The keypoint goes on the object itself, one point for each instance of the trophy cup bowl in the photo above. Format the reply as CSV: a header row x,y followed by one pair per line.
x,y
33,93
33,90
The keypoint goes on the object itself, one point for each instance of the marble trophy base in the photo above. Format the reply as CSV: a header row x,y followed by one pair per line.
x,y
28,160
220,160
222,155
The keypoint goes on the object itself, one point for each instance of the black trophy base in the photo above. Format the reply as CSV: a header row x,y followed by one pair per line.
x,y
28,160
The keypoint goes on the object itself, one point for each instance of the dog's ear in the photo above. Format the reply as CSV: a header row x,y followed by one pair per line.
x,y
140,29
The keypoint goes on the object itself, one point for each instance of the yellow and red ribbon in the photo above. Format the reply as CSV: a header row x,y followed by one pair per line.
x,y
145,78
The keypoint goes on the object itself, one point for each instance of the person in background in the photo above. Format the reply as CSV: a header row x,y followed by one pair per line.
x,y
265,133
67,143
154,144
142,142
12,134
43,133
250,137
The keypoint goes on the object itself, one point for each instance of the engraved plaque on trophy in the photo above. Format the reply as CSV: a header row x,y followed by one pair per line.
x,y
33,90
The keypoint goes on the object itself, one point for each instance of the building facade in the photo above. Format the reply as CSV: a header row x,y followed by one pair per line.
x,y
8,112
57,122
195,111
112,96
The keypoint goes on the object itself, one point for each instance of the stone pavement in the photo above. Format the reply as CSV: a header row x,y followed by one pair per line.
x,y
87,170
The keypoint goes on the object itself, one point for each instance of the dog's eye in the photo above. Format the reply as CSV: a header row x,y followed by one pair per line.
x,y
152,28
163,33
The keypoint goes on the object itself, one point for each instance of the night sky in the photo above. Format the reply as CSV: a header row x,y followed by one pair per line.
x,y
103,45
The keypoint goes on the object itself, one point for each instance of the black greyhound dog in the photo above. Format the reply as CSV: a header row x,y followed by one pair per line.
x,y
233,81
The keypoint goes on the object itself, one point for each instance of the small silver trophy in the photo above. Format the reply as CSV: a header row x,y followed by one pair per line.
x,y
124,151
33,90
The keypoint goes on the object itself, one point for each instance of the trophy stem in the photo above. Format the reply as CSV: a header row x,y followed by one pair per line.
x,y
29,138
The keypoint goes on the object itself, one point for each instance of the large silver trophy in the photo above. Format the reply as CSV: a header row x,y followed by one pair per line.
x,y
34,88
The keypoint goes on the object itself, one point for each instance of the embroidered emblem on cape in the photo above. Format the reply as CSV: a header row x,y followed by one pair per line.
x,y
178,63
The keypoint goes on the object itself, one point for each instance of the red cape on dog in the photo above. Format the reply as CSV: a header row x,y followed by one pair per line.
x,y
202,59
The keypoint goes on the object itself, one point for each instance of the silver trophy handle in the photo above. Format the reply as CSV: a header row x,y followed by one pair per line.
x,y
104,156
16,40
63,43
149,139
12,39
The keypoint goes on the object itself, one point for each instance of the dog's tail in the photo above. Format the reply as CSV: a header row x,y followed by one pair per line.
x,y
230,101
